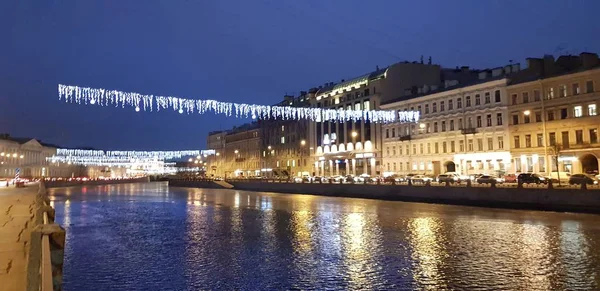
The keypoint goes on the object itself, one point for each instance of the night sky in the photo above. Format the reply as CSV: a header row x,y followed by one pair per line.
x,y
244,51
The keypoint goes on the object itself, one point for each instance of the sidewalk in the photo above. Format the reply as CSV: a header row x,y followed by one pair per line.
x,y
16,222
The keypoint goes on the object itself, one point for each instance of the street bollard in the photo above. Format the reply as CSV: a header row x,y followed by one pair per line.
x,y
428,183
409,182
378,181
519,184
469,183
583,186
493,183
550,185
447,183
393,182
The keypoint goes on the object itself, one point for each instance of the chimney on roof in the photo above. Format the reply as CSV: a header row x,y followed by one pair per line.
x,y
464,68
376,68
342,81
549,67
535,65
589,60
421,59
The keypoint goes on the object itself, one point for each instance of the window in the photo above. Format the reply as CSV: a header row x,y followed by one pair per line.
x,y
444,147
517,142
427,128
387,133
420,148
414,149
589,86
283,139
479,123
565,139
393,132
552,139
435,148
451,124
592,110
283,128
528,140
460,123
499,119
452,146
434,107
461,145
536,95
575,89
459,103
387,149
450,105
470,145
428,148
500,143
525,97
477,99
562,91
394,167
542,164
550,93
489,120
435,127
593,135
480,144
418,109
515,119
394,150
577,111
550,115
487,98
497,96
468,101
563,113
426,108
443,126
490,144
470,122
514,98
526,118
366,105
540,140
579,136
442,106
538,117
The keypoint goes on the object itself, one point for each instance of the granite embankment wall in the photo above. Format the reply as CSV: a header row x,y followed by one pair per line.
x,y
570,200
56,184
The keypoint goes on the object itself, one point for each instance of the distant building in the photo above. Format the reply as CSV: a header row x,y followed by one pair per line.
x,y
463,127
284,143
216,141
553,115
356,147
241,154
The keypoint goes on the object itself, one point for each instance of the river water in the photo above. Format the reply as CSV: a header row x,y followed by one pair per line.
x,y
152,237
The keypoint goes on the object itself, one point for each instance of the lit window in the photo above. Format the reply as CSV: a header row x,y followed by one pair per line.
x,y
283,128
577,111
575,89
592,110
562,90
283,139
366,105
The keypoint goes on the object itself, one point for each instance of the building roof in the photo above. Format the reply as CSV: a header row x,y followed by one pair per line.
x,y
23,140
355,82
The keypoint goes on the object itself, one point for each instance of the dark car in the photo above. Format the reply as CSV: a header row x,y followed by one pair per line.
x,y
583,178
530,178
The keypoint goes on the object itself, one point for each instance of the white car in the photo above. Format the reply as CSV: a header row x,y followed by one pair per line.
x,y
421,179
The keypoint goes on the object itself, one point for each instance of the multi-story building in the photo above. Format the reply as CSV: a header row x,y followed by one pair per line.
x,y
355,147
216,141
463,128
241,154
29,156
553,115
284,145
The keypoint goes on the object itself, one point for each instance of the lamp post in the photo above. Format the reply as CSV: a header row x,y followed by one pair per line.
x,y
302,148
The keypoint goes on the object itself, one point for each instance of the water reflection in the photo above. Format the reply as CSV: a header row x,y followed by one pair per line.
x,y
149,237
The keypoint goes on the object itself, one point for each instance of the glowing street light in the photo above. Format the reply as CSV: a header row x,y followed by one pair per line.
x,y
422,126
14,155
269,147
236,151
302,142
21,156
190,160
217,154
354,134
526,112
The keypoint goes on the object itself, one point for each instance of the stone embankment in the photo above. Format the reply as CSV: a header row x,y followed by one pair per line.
x,y
569,200
28,240
63,183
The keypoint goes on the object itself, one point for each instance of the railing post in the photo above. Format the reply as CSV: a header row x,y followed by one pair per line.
x,y
493,184
583,185
469,183
550,184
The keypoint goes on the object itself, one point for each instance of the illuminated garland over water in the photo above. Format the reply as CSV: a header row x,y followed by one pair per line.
x,y
122,158
104,97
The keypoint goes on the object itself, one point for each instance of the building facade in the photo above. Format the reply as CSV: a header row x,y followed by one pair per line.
x,y
284,143
241,155
463,128
553,115
342,148
216,141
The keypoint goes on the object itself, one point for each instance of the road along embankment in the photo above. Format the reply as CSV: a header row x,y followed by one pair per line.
x,y
57,184
564,200
31,245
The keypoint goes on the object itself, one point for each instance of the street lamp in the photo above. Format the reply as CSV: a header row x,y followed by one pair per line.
x,y
526,112
236,151
302,142
269,147
354,134
190,160
217,154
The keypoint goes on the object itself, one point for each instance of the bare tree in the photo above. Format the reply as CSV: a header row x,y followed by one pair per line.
x,y
555,150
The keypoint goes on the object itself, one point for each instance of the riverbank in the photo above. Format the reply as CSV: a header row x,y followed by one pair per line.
x,y
563,200
63,183
25,225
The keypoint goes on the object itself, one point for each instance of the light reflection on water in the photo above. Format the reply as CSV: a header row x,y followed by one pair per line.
x,y
147,236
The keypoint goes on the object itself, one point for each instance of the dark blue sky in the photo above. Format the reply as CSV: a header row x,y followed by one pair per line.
x,y
243,51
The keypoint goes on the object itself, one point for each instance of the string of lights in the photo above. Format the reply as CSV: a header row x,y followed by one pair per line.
x,y
134,154
104,97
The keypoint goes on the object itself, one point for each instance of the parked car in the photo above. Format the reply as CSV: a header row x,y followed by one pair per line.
x,y
530,178
487,179
583,178
450,178
394,178
510,178
421,179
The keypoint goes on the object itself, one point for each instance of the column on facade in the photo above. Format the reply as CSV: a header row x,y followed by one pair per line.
x,y
372,172
330,168
322,170
337,168
354,167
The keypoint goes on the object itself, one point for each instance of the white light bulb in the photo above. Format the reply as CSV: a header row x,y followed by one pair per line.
x,y
180,110
137,109
93,101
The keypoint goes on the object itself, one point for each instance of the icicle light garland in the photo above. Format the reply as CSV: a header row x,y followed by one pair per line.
x,y
134,154
104,97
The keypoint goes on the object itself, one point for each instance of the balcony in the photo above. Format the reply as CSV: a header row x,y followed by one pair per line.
x,y
470,130
404,137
